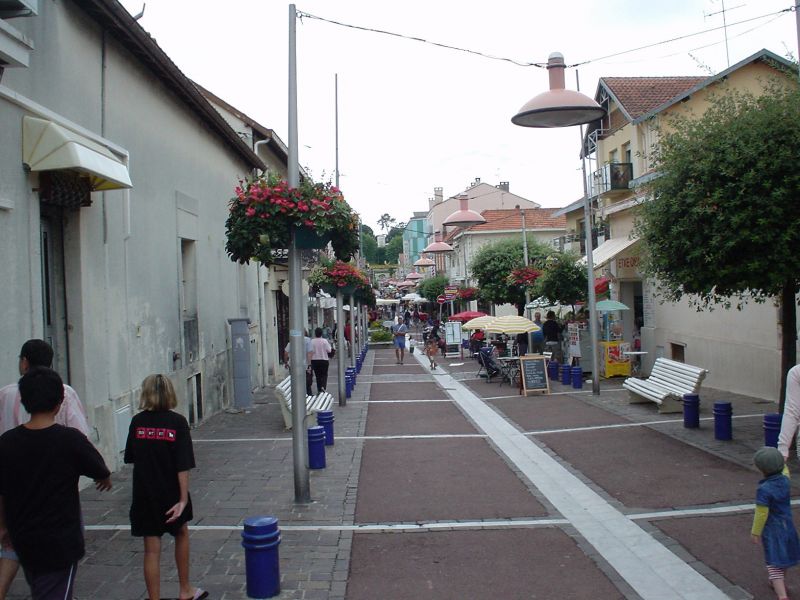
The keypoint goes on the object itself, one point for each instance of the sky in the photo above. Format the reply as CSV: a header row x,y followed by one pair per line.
x,y
414,116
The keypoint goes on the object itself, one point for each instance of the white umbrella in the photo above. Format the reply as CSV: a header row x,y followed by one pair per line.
x,y
512,324
478,322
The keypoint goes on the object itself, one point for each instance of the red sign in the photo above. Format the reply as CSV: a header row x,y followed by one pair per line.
x,y
441,299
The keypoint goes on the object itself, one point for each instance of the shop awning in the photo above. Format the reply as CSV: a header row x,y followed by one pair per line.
x,y
47,146
608,250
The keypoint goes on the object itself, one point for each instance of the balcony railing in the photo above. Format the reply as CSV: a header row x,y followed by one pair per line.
x,y
613,177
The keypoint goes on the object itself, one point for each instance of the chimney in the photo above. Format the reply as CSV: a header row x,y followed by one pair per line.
x,y
438,195
476,182
503,186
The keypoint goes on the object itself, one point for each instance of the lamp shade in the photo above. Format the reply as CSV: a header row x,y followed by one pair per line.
x,y
464,217
558,107
414,275
438,246
424,262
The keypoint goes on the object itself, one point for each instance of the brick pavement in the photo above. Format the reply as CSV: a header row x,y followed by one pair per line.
x,y
245,468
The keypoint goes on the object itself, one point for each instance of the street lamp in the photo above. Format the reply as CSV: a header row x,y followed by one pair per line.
x,y
559,107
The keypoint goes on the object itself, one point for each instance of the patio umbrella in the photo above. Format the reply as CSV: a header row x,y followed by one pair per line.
x,y
407,283
610,306
466,315
478,323
512,324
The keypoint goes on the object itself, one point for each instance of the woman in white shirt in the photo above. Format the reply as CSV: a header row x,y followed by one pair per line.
x,y
320,351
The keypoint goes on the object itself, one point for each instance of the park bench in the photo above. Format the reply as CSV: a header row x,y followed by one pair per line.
x,y
668,382
283,393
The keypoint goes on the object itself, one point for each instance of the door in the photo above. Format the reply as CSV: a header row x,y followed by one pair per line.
x,y
54,297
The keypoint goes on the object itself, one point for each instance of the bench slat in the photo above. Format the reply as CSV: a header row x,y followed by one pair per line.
x,y
669,380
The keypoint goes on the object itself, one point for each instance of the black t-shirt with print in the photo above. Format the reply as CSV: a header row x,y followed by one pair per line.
x,y
159,446
39,472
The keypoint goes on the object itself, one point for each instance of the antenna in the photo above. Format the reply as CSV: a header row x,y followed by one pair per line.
x,y
140,14
724,25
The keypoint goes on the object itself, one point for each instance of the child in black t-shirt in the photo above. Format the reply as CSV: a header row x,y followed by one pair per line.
x,y
160,448
40,464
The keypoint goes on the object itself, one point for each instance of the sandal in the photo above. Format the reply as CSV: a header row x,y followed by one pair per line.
x,y
199,594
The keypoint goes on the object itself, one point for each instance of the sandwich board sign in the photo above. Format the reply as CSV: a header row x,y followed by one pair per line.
x,y
533,374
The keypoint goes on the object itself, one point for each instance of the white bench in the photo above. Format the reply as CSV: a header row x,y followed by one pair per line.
x,y
283,393
668,382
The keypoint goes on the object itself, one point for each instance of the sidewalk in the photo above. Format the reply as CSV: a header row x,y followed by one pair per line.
x,y
441,485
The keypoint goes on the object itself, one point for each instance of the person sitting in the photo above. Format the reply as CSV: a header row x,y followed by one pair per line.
x,y
476,341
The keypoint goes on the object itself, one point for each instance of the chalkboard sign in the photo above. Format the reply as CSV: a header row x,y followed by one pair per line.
x,y
533,372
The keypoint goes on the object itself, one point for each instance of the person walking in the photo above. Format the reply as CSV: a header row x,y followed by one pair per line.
x,y
773,526
432,345
160,448
791,412
34,353
399,331
306,361
41,462
537,337
320,356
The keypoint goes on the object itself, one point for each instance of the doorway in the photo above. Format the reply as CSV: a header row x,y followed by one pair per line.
x,y
54,292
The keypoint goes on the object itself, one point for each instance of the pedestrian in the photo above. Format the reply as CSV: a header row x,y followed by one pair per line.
x,y
522,344
791,412
399,331
772,522
306,364
432,346
41,462
552,336
34,353
537,337
160,448
320,353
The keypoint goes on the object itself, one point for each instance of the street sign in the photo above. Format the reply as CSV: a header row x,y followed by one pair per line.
x,y
450,292
441,299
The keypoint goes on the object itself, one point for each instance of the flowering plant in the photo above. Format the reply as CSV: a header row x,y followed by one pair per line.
x,y
468,293
264,210
524,276
337,274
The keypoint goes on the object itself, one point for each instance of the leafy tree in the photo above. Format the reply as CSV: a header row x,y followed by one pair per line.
x,y
393,249
370,246
396,231
492,264
430,288
723,225
563,279
386,221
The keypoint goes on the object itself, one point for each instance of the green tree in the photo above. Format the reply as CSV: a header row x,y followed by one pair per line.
x,y
493,263
563,279
393,249
370,247
723,225
395,231
430,288
386,221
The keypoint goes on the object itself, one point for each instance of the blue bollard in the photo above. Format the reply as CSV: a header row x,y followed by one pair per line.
x,y
772,429
577,377
723,424
691,411
325,420
552,370
260,540
348,386
316,447
565,374
352,372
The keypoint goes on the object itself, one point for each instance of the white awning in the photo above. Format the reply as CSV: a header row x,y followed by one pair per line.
x,y
608,250
47,146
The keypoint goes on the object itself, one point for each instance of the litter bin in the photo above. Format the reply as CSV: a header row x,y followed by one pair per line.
x,y
260,540
566,372
691,411
316,447
552,370
772,428
325,420
723,423
577,377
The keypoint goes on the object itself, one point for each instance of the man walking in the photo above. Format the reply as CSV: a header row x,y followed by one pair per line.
x,y
34,353
399,330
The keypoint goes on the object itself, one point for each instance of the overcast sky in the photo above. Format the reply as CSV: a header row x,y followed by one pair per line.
x,y
414,116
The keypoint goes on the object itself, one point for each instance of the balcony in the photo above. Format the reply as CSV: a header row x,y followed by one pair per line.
x,y
612,180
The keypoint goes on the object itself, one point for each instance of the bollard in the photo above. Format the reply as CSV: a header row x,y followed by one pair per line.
x,y
552,370
565,374
325,420
348,385
260,540
352,371
772,429
691,411
723,426
577,377
316,447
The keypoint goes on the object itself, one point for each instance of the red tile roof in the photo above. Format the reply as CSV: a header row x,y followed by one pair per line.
x,y
639,95
510,219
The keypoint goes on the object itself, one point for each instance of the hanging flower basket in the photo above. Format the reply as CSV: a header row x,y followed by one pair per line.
x,y
339,276
264,210
524,276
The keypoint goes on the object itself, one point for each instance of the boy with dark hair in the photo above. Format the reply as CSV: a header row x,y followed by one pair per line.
x,y
40,464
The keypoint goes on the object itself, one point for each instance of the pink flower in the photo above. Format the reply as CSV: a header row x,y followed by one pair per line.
x,y
250,212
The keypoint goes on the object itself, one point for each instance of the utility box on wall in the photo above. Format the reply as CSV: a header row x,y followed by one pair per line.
x,y
240,347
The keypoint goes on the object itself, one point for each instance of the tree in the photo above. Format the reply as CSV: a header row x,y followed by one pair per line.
x,y
493,263
723,224
386,221
433,287
393,249
563,280
395,231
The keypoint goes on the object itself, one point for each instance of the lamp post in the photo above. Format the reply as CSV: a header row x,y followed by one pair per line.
x,y
525,260
438,247
559,107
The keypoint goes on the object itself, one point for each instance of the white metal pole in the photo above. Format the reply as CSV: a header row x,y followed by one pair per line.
x,y
352,331
526,310
302,491
340,347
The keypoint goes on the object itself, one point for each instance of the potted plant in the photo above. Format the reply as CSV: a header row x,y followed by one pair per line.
x,y
339,275
265,211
